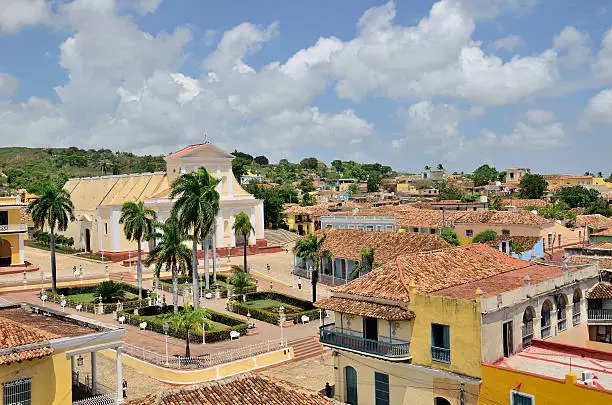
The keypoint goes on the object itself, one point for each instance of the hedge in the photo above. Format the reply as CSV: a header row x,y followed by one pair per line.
x,y
157,325
241,308
166,285
89,306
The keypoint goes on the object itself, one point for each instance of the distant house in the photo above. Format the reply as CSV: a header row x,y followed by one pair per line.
x,y
433,174
251,178
304,220
13,231
515,174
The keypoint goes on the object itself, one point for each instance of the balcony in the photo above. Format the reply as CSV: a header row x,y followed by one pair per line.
x,y
440,354
600,316
14,228
545,331
331,336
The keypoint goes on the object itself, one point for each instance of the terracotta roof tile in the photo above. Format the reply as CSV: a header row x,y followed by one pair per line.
x,y
423,218
519,217
519,203
244,389
187,149
604,262
432,271
365,308
600,291
602,244
20,339
347,243
595,221
605,232
314,210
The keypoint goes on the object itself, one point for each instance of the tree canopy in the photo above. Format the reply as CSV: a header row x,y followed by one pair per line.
x,y
483,175
532,186
450,236
576,196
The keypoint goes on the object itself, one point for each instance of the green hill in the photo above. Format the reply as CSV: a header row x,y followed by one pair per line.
x,y
29,168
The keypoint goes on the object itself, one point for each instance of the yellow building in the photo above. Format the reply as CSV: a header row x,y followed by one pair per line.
x,y
13,231
40,351
304,220
556,181
417,330
98,201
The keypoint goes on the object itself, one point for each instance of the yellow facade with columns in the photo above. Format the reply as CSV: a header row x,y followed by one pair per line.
x,y
98,201
13,231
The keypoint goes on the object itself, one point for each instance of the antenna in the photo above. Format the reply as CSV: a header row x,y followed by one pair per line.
x,y
205,135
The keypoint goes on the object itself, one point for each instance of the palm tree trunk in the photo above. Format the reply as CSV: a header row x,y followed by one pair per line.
x,y
194,272
53,264
139,270
206,244
174,288
246,270
314,278
214,253
187,351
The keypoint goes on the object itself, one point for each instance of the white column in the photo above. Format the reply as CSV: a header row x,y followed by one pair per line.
x,y
21,258
119,378
231,230
99,225
94,376
230,182
115,229
220,232
262,221
252,239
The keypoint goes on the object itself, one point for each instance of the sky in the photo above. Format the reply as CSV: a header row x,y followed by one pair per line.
x,y
511,83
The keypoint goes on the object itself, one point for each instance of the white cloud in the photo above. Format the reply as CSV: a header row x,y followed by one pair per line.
x,y
8,85
539,132
575,44
603,65
599,108
149,6
16,14
509,43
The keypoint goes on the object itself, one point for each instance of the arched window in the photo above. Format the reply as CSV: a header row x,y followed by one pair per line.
x,y
350,376
576,306
527,328
441,401
561,315
545,319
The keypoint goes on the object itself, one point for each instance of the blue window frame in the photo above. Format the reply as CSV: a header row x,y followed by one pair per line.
x,y
381,388
440,343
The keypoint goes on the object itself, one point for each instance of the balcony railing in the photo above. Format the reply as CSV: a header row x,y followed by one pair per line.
x,y
527,332
562,324
14,228
440,354
330,335
600,314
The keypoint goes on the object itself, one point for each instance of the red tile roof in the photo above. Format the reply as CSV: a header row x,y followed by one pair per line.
x,y
519,217
187,149
244,389
17,342
594,221
604,262
347,243
600,291
605,232
520,203
365,308
314,210
435,271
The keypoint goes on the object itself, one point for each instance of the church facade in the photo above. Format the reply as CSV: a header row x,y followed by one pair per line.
x,y
98,200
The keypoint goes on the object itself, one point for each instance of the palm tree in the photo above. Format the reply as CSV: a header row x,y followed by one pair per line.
x,y
242,226
241,281
54,210
309,249
365,264
171,251
196,208
138,224
190,318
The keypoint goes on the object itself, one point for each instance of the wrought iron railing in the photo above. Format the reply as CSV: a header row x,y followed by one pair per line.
x,y
205,360
575,313
440,354
329,334
527,332
600,314
562,324
13,228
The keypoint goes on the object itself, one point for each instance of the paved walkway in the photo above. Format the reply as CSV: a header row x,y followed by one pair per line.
x,y
280,277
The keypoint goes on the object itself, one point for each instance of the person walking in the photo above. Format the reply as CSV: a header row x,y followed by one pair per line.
x,y
299,283
328,390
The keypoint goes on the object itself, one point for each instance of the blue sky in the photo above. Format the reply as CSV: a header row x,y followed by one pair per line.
x,y
407,83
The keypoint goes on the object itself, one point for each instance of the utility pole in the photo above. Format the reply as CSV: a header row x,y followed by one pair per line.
x,y
462,394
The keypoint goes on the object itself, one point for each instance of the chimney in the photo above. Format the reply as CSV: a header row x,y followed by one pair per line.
x,y
527,280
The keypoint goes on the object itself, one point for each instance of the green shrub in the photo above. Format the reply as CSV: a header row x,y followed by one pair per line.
x,y
450,236
110,291
485,236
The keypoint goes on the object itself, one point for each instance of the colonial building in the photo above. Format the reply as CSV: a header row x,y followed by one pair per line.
x,y
13,231
98,200
419,329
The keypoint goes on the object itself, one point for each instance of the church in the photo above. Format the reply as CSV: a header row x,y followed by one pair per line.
x,y
98,200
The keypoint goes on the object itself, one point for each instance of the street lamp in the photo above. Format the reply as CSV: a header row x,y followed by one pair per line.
x,y
43,297
281,313
63,302
80,361
166,327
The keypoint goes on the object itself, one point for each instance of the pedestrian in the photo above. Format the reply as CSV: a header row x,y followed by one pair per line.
x,y
74,271
328,390
124,386
268,267
299,282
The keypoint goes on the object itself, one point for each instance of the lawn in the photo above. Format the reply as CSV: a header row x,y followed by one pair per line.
x,y
92,297
213,326
273,306
58,248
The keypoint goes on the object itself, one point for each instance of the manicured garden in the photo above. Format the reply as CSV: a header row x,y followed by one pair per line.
x,y
218,325
88,297
265,305
224,283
